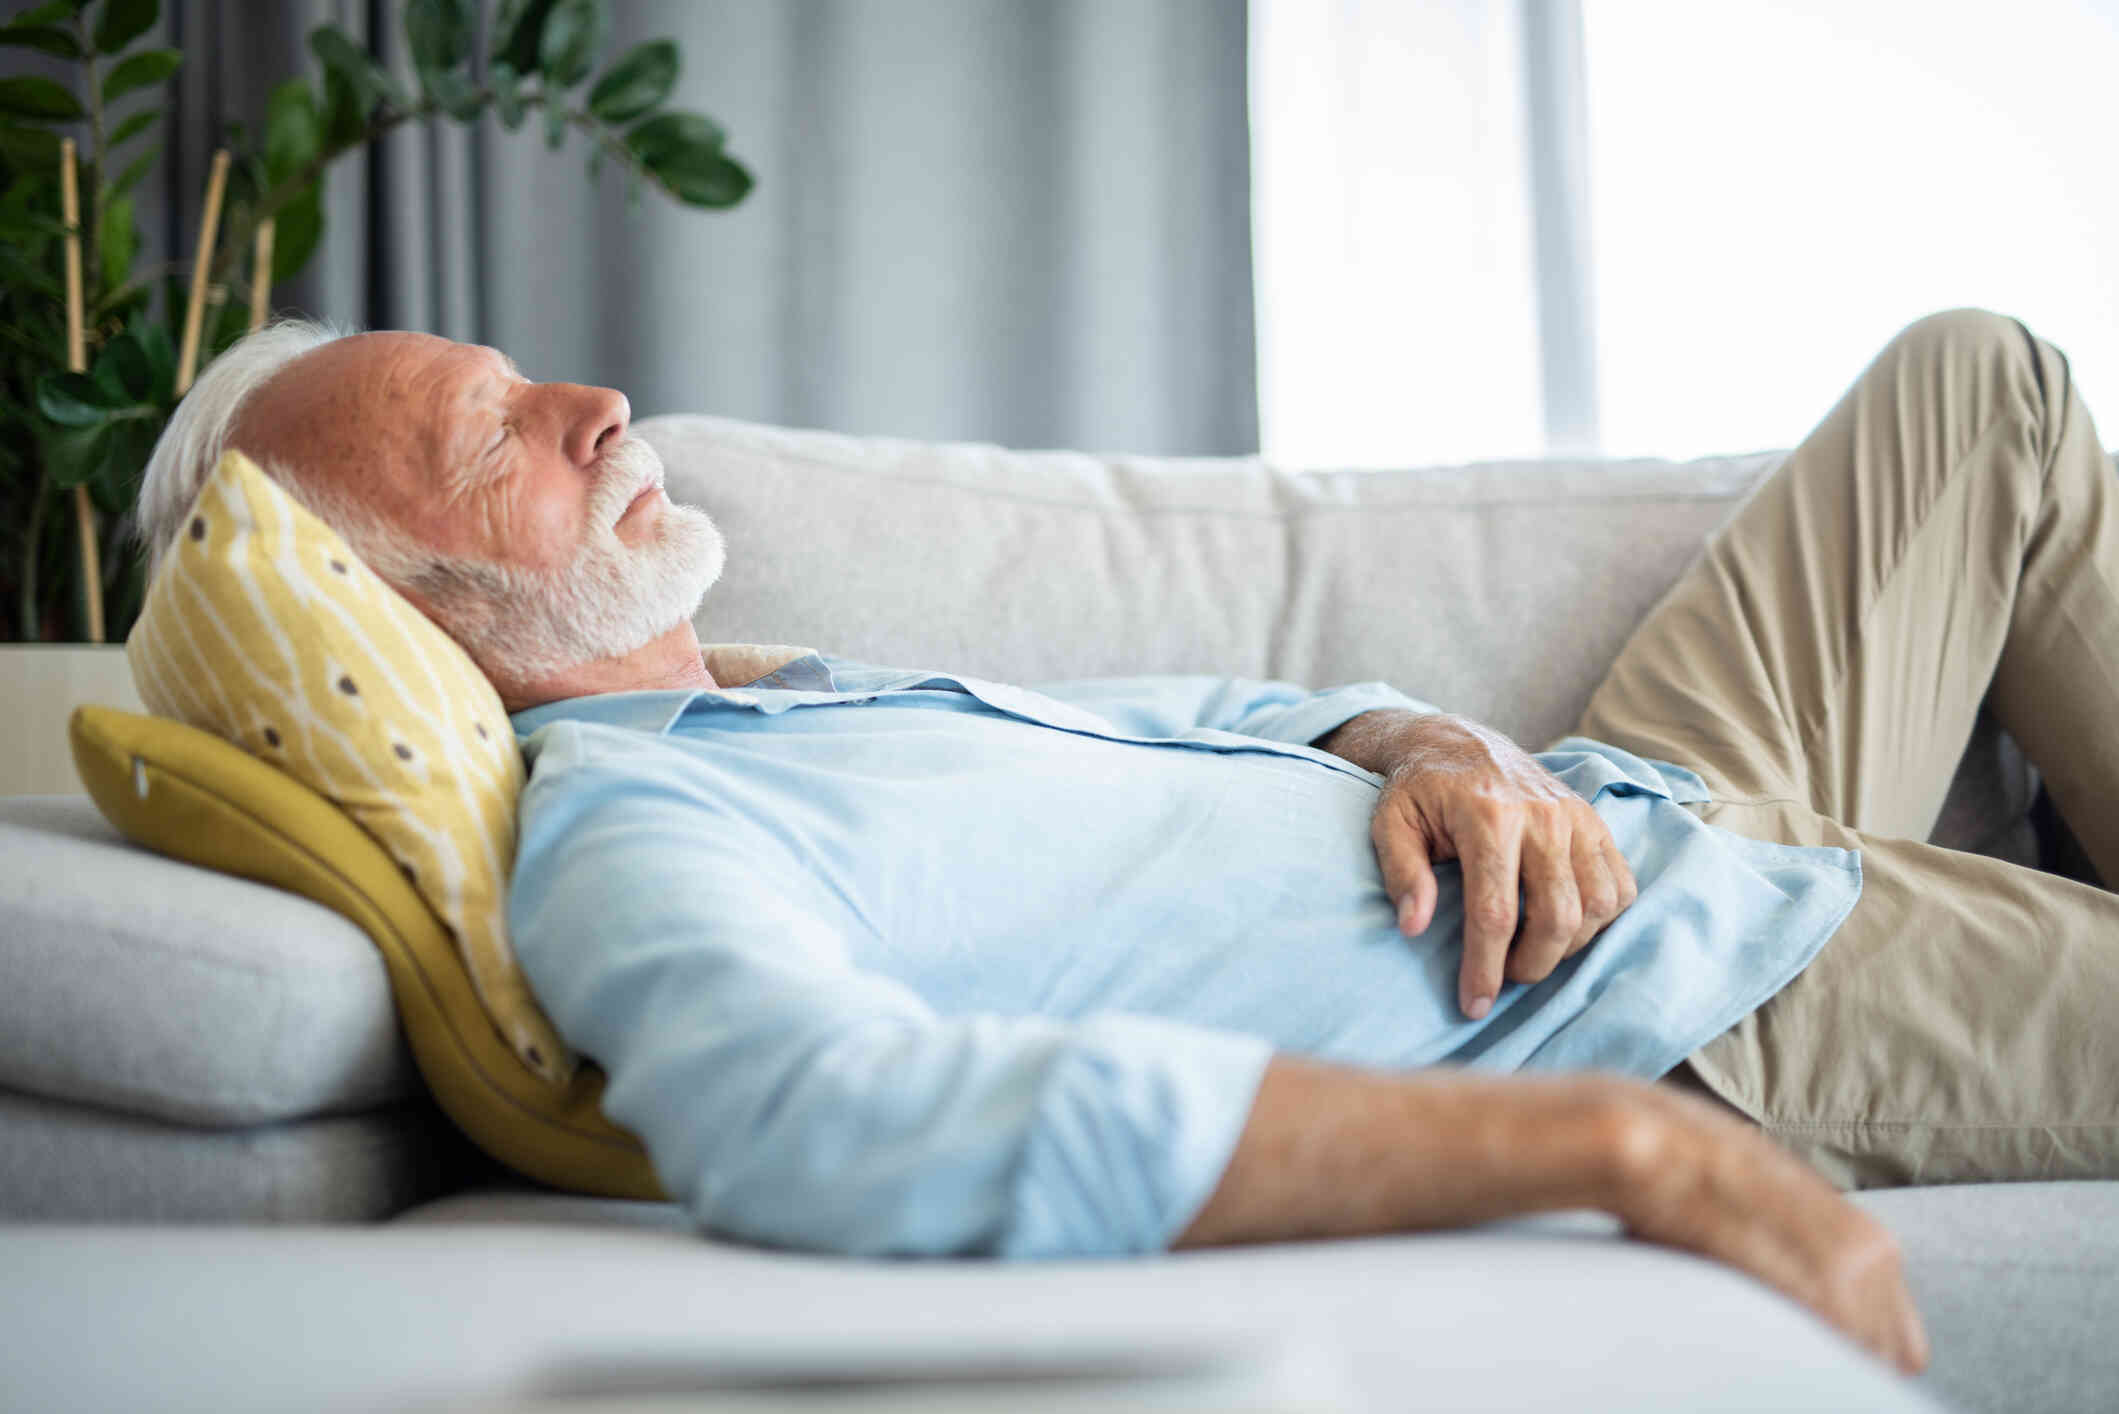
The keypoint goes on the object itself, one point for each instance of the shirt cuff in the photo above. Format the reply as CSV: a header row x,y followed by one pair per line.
x,y
1134,1127
1320,712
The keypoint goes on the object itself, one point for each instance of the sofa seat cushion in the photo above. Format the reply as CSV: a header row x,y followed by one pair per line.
x,y
2019,1286
454,1307
64,1162
141,985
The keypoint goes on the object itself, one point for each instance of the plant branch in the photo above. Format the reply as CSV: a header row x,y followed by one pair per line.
x,y
241,233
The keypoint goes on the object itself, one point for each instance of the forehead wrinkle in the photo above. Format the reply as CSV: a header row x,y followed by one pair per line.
x,y
458,469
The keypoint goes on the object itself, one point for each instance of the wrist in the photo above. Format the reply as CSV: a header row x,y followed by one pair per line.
x,y
1384,738
1642,1157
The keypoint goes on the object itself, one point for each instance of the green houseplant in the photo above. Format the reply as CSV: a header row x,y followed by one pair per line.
x,y
94,429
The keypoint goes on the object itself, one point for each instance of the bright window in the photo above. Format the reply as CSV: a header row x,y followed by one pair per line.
x,y
1778,186
1774,188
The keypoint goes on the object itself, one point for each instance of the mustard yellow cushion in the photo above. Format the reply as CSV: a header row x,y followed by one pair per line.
x,y
262,627
189,794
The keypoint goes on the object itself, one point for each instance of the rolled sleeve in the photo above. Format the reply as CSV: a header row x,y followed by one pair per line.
x,y
788,1097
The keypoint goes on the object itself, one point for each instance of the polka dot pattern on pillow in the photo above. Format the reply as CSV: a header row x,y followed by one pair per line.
x,y
262,627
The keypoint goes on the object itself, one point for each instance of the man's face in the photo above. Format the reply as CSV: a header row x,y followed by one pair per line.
x,y
553,540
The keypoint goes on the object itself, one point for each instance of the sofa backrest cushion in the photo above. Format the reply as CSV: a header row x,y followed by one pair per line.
x,y
1501,590
262,627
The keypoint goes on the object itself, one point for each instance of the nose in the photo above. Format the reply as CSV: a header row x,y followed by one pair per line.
x,y
598,418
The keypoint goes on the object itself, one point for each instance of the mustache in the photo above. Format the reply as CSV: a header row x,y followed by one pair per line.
x,y
629,467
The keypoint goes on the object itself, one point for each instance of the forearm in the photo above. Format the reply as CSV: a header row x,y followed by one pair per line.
x,y
1333,1151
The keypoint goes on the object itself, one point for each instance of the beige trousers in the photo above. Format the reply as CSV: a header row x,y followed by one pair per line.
x,y
1948,535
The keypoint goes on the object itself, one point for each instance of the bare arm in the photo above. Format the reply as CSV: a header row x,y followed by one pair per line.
x,y
1335,1151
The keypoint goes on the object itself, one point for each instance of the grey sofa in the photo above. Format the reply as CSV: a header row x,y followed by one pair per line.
x,y
222,1186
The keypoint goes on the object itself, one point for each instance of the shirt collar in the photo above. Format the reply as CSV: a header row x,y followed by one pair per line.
x,y
733,667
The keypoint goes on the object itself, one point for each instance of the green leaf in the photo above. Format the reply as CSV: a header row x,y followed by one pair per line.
x,y
116,240
440,32
676,133
49,14
74,452
19,273
72,400
296,229
293,133
453,92
555,123
507,95
135,169
712,179
573,32
683,151
115,484
345,122
30,149
123,21
636,83
44,37
340,55
517,32
32,97
149,66
153,338
132,127
123,373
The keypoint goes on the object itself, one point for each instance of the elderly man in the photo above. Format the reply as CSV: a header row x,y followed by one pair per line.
x,y
903,961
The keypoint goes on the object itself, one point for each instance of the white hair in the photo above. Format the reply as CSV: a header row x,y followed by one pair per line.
x,y
198,431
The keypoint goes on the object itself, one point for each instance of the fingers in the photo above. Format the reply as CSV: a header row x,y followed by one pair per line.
x,y
1720,1188
1402,856
1601,873
1600,896
1552,903
1489,849
1621,872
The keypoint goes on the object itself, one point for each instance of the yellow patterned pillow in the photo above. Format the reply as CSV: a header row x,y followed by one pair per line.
x,y
262,627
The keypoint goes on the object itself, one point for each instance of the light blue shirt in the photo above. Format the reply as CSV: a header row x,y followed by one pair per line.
x,y
883,961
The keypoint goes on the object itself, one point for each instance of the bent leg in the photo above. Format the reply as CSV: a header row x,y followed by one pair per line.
x,y
1961,1025
1949,529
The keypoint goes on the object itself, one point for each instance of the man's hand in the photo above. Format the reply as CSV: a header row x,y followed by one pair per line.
x,y
1458,790
1334,1151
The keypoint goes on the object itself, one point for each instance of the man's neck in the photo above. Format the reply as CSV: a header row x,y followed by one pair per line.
x,y
671,661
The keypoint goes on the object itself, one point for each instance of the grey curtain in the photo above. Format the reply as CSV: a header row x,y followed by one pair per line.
x,y
1020,222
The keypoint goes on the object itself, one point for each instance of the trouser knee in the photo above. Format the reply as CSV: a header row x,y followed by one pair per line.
x,y
1993,363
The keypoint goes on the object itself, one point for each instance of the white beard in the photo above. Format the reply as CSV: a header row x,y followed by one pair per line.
x,y
523,625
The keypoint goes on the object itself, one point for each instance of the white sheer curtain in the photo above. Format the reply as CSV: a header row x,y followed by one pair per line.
x,y
1394,230
1781,185
1494,228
